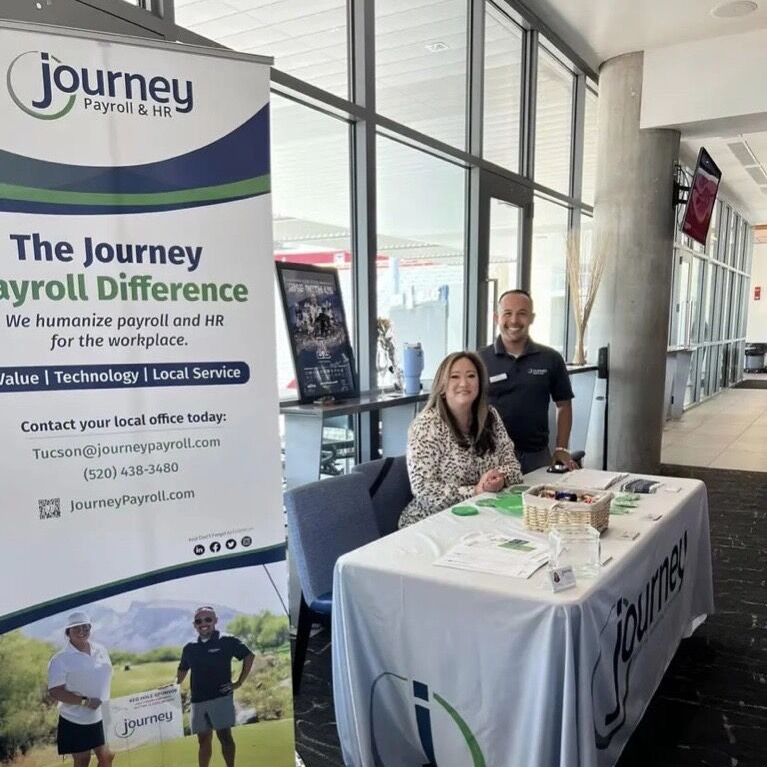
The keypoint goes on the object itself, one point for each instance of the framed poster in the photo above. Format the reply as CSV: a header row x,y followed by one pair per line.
x,y
319,339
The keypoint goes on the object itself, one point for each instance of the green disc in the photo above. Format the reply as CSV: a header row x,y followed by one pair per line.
x,y
464,511
624,504
515,490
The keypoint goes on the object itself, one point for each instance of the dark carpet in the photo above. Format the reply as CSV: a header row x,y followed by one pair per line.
x,y
752,383
711,707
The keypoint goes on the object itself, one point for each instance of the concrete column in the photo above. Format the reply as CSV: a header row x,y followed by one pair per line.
x,y
634,222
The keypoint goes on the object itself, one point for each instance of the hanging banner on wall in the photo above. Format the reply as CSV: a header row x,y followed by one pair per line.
x,y
138,390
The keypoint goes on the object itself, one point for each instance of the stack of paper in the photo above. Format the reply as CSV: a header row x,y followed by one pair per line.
x,y
590,478
497,553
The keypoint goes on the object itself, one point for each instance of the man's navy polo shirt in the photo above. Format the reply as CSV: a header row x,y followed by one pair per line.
x,y
211,664
521,388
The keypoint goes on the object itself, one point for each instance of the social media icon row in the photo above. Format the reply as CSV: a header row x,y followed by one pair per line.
x,y
215,546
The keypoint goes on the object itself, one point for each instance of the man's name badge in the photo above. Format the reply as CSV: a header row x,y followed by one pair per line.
x,y
562,578
499,377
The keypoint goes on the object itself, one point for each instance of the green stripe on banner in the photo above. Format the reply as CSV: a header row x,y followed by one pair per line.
x,y
247,188
477,758
133,578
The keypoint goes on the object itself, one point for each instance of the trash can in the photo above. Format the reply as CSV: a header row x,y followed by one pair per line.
x,y
755,354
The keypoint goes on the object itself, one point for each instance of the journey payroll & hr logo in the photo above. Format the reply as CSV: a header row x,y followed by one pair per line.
x,y
624,635
440,729
127,726
44,87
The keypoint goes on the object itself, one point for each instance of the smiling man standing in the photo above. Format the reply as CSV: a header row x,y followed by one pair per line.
x,y
524,377
209,660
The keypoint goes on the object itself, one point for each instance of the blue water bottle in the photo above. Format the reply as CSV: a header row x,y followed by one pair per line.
x,y
412,367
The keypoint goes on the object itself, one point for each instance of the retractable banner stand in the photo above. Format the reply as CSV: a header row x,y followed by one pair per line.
x,y
138,402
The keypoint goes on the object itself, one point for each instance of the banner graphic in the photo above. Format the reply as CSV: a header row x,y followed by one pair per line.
x,y
138,393
143,719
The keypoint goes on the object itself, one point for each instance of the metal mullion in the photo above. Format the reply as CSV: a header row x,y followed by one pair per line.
x,y
527,148
133,14
165,9
405,135
588,68
363,148
338,104
475,81
475,262
578,135
528,103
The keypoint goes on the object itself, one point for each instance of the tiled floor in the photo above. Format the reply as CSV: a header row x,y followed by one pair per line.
x,y
727,432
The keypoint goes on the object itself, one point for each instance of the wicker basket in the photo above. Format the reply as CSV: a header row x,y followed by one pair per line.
x,y
542,513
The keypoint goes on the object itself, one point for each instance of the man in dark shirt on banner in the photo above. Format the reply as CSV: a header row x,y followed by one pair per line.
x,y
524,378
210,661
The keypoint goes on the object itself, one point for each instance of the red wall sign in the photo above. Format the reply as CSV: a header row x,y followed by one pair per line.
x,y
758,293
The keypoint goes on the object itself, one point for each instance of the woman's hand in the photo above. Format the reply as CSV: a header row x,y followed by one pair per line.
x,y
490,482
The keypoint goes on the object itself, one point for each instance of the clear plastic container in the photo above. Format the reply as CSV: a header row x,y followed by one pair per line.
x,y
578,546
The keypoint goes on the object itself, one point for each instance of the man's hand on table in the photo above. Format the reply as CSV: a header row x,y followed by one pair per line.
x,y
562,455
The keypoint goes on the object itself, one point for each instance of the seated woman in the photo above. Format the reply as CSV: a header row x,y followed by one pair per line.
x,y
458,446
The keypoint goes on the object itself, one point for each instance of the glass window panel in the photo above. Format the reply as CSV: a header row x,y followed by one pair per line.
x,y
743,246
553,122
732,232
421,65
420,263
547,277
719,293
587,240
737,290
703,384
311,205
683,303
308,41
503,88
589,147
689,392
708,302
740,297
721,252
724,365
713,231
716,353
696,296
731,308
503,268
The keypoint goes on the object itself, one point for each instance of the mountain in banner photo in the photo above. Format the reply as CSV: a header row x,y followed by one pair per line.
x,y
144,626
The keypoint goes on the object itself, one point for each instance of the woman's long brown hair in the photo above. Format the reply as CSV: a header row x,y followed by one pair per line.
x,y
482,420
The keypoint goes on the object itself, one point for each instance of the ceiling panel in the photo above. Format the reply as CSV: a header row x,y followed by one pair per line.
x,y
198,13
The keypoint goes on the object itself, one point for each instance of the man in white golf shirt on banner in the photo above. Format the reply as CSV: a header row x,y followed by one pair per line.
x,y
80,678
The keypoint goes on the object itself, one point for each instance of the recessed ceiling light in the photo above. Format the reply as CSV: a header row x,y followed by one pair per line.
x,y
735,9
436,47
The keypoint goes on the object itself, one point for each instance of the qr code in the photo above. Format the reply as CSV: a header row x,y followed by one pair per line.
x,y
49,507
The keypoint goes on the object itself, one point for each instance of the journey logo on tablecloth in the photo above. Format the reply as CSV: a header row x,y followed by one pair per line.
x,y
438,724
622,638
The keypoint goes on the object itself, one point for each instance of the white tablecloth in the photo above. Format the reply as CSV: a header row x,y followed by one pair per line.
x,y
438,666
